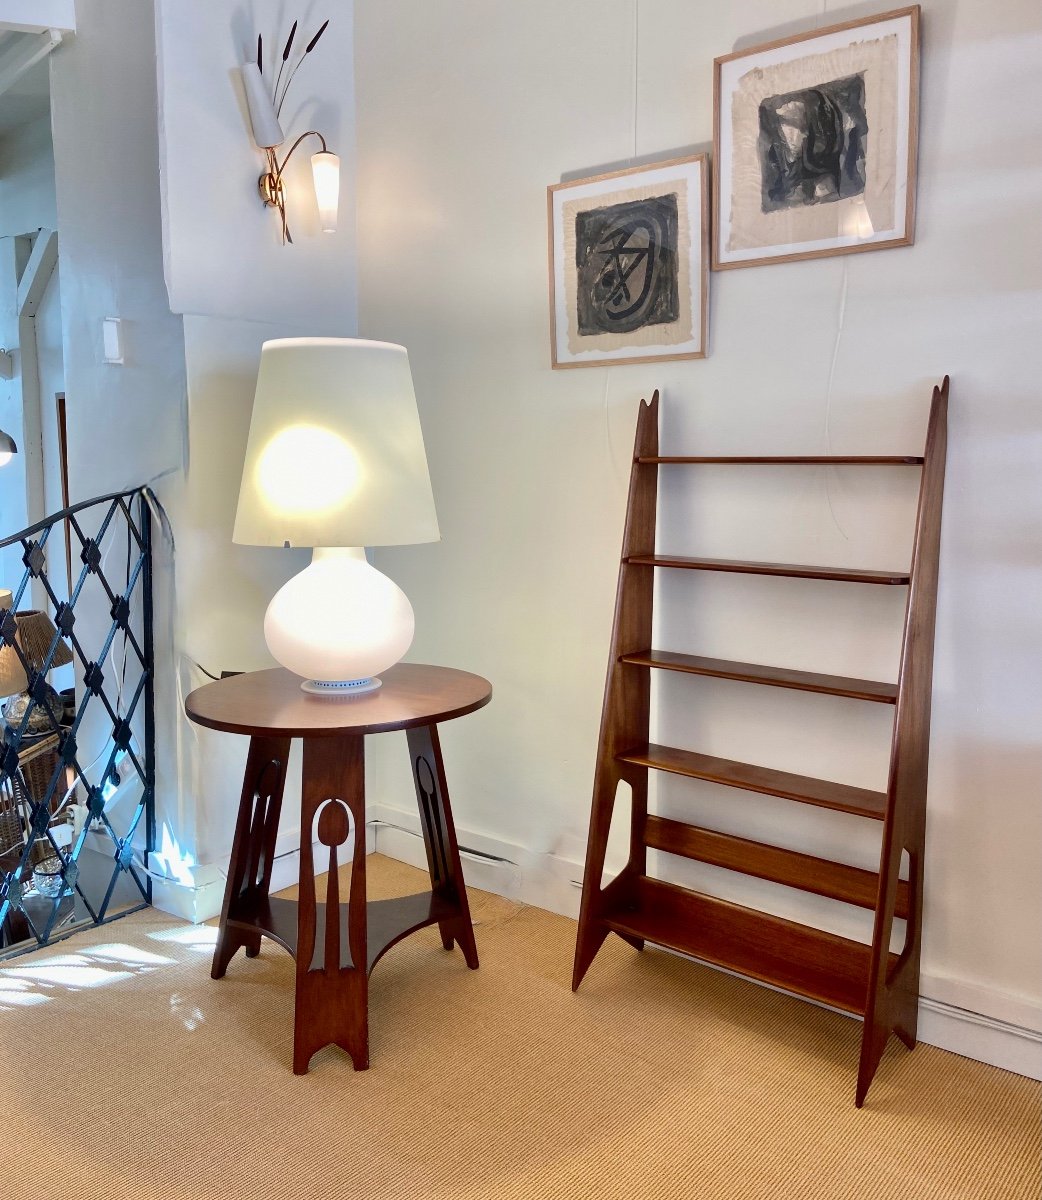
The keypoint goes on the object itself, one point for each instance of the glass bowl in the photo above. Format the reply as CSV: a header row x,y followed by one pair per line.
x,y
47,877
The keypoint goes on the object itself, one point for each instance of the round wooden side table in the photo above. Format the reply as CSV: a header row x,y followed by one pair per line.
x,y
334,957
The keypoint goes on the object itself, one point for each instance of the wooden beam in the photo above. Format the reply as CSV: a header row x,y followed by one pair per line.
x,y
25,52
37,274
14,254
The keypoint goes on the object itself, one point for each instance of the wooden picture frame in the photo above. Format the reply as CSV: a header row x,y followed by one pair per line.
x,y
814,143
628,259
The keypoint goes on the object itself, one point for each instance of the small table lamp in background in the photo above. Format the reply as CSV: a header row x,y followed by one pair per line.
x,y
335,461
12,673
34,634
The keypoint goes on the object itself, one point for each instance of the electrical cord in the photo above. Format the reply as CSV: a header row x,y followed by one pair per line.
x,y
840,317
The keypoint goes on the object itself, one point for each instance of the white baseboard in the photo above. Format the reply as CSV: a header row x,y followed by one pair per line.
x,y
975,1035
504,868
965,1018
197,893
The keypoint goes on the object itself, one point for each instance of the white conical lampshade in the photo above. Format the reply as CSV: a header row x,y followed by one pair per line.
x,y
335,454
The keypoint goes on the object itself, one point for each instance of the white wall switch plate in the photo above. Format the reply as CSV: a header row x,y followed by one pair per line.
x,y
112,339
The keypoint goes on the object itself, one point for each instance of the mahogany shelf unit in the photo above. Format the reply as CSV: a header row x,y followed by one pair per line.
x,y
862,978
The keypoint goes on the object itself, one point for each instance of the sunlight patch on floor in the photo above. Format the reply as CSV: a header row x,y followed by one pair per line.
x,y
34,982
202,938
16,993
191,1018
134,956
67,971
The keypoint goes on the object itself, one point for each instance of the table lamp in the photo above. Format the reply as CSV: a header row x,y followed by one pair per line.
x,y
335,461
34,633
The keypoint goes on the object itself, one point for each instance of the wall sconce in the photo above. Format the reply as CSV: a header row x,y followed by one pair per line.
x,y
7,448
265,111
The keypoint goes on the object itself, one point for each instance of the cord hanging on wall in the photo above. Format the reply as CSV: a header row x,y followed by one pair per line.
x,y
265,111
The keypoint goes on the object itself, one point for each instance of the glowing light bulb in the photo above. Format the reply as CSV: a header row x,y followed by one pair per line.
x,y
307,469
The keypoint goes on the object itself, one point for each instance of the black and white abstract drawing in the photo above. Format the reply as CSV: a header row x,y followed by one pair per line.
x,y
815,141
626,263
812,144
629,255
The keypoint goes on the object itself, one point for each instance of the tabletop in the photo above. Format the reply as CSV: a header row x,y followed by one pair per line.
x,y
271,702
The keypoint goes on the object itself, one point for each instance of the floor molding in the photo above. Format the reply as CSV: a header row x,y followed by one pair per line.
x,y
1009,1036
196,893
976,1035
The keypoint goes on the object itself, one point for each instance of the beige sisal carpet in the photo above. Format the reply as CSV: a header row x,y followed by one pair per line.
x,y
127,1073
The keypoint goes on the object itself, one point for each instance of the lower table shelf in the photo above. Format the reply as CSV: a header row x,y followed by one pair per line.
x,y
387,922
797,958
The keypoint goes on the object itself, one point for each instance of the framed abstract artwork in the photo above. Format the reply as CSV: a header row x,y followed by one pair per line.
x,y
814,143
629,265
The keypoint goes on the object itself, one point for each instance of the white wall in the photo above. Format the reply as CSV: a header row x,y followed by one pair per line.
x,y
223,250
126,424
34,16
27,203
27,176
237,285
49,350
455,149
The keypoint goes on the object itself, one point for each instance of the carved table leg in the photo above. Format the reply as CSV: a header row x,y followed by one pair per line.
x,y
253,850
332,956
439,837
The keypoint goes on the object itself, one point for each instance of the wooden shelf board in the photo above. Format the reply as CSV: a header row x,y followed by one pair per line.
x,y
797,460
806,789
796,958
790,570
806,681
823,877
387,921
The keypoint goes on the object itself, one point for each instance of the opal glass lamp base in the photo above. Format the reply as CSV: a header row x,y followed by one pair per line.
x,y
339,623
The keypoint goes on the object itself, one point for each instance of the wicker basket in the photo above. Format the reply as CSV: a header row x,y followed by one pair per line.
x,y
12,834
37,763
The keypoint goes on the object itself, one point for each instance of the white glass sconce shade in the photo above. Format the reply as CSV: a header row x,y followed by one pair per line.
x,y
325,167
267,132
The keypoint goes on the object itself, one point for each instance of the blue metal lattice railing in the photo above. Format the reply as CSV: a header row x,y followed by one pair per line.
x,y
77,774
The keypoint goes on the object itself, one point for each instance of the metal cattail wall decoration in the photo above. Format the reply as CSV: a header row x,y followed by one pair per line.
x,y
265,113
307,50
